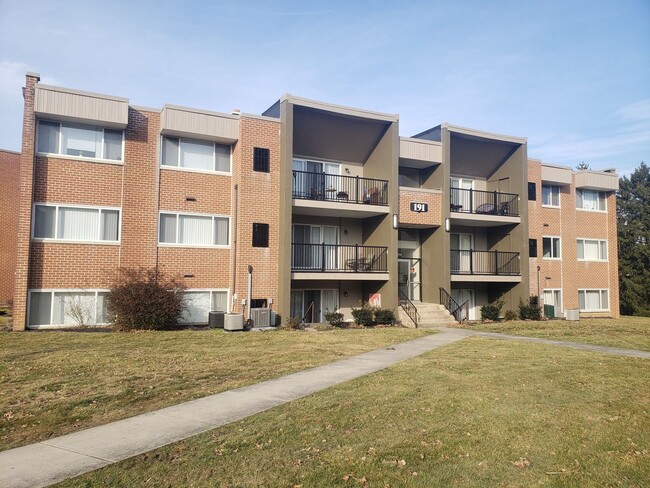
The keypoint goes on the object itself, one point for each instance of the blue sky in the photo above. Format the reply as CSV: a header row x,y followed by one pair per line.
x,y
571,76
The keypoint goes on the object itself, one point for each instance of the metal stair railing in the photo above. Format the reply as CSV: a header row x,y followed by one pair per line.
x,y
408,307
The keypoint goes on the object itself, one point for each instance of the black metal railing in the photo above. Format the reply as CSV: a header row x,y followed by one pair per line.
x,y
459,312
408,307
339,258
338,188
484,202
484,262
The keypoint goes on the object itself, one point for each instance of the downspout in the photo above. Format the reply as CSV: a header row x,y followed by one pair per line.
x,y
234,250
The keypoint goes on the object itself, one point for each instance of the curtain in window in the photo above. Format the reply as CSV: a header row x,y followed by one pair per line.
x,y
78,224
601,200
220,231
48,137
44,218
198,306
109,225
102,308
40,307
167,228
330,301
297,301
170,151
589,200
113,144
591,250
197,155
603,249
194,230
222,158
80,141
220,301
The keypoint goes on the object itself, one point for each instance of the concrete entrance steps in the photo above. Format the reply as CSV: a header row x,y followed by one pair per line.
x,y
431,315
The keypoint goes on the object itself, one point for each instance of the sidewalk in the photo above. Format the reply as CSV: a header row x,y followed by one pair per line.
x,y
64,457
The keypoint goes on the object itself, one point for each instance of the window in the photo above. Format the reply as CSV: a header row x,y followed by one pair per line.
x,y
193,229
532,248
591,200
199,303
67,307
592,250
80,140
196,155
260,235
532,191
258,303
261,158
82,224
551,195
593,300
551,247
553,297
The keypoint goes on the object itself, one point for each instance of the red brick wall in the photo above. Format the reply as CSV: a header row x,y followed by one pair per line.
x,y
10,177
432,217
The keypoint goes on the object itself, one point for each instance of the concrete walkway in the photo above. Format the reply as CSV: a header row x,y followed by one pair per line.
x,y
64,457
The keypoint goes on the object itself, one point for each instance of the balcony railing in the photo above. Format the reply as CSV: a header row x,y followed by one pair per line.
x,y
485,263
338,188
484,202
337,258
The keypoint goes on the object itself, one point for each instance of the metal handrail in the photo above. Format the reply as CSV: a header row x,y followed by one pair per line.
x,y
458,313
471,262
309,185
339,258
450,304
408,307
465,200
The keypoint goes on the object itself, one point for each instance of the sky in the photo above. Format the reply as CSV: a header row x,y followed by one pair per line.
x,y
573,77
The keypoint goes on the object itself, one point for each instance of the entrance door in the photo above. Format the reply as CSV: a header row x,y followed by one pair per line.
x,y
312,313
312,305
461,190
461,245
461,296
403,274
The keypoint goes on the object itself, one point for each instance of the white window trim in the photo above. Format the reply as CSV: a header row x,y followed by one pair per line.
x,y
80,158
561,297
598,241
320,161
192,170
195,246
599,290
559,258
52,291
593,210
208,290
71,241
559,197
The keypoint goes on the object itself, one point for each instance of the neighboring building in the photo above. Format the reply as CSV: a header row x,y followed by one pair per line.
x,y
9,176
328,204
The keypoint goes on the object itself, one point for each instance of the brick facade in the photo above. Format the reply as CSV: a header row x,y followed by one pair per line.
x,y
431,218
10,171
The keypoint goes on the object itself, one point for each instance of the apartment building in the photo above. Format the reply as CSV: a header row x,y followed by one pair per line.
x,y
327,205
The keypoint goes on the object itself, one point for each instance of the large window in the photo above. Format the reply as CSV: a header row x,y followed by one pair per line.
x,y
80,140
67,307
592,250
195,155
551,247
550,195
199,303
591,200
593,300
194,229
82,224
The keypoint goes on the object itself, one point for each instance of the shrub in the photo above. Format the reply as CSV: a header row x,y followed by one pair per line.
x,y
529,312
144,299
491,311
385,316
363,315
334,318
510,315
294,323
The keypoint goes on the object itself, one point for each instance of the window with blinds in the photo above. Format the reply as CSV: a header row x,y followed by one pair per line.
x,y
78,224
193,229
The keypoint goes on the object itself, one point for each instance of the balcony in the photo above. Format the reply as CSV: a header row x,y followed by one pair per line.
x,y
468,265
337,261
346,194
484,208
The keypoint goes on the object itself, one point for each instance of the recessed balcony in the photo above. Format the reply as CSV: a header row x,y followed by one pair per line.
x,y
337,261
470,265
484,208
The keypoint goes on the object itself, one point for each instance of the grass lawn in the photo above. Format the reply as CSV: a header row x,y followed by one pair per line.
x,y
57,382
479,412
626,332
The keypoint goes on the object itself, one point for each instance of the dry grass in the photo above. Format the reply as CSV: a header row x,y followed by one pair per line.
x,y
626,332
58,382
476,413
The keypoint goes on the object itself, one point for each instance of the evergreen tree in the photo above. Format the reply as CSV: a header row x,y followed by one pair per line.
x,y
582,166
633,214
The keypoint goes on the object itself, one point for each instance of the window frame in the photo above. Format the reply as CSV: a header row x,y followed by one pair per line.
x,y
212,171
52,291
208,290
261,225
74,241
267,162
599,242
552,258
532,185
191,214
597,192
559,193
60,155
531,246
554,291
600,299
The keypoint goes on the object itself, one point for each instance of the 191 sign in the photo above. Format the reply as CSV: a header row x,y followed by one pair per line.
x,y
419,207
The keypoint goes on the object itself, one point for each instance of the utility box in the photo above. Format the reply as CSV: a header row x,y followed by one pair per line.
x,y
261,317
215,320
573,314
549,311
233,322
